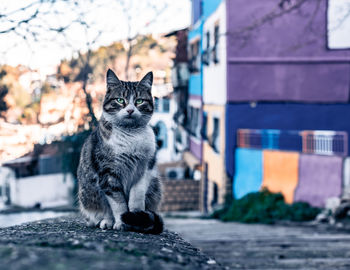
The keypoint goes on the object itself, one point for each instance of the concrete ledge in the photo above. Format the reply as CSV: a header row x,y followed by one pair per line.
x,y
66,243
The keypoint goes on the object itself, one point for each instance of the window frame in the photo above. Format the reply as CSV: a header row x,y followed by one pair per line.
x,y
195,58
328,30
216,58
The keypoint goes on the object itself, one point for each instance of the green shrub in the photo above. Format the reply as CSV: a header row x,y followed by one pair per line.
x,y
73,145
265,207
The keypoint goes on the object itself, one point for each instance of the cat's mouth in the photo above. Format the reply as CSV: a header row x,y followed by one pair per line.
x,y
129,118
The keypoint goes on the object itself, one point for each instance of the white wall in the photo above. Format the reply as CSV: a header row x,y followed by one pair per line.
x,y
214,75
6,176
49,190
167,154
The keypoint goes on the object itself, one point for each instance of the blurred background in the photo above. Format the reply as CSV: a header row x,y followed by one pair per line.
x,y
251,101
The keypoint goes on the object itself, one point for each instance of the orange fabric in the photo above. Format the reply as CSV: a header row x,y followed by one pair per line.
x,y
281,172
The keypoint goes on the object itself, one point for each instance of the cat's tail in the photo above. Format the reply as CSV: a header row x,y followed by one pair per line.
x,y
143,221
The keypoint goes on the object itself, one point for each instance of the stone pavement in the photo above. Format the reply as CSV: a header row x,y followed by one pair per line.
x,y
66,243
243,246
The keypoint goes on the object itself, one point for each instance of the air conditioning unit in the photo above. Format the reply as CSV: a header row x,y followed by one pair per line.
x,y
175,173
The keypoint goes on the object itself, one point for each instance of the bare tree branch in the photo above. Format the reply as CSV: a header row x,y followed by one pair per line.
x,y
50,22
279,11
342,19
283,8
129,8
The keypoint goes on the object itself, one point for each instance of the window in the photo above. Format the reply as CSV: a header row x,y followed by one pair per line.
x,y
195,122
190,120
166,105
204,126
216,42
156,104
205,56
216,135
198,123
160,131
208,40
338,24
178,136
214,201
195,60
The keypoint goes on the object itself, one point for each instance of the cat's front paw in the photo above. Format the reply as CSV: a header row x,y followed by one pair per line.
x,y
118,225
106,224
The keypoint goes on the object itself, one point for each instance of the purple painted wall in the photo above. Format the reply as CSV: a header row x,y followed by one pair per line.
x,y
196,148
285,59
320,177
195,145
196,10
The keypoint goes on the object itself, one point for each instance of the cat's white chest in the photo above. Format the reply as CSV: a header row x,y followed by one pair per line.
x,y
141,143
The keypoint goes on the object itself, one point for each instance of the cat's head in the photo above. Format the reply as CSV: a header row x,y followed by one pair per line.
x,y
128,104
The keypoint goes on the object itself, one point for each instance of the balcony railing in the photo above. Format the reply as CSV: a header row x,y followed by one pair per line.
x,y
307,141
325,142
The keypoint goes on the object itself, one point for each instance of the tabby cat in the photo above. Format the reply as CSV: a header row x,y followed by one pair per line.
x,y
118,184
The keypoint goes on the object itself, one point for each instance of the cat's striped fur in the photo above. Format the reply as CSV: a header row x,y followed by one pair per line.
x,y
118,184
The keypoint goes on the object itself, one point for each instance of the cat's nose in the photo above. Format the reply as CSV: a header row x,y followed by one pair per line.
x,y
130,111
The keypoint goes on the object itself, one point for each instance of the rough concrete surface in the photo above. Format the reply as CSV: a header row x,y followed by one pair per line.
x,y
256,246
66,243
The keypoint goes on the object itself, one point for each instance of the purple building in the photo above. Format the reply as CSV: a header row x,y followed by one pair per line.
x,y
283,58
285,71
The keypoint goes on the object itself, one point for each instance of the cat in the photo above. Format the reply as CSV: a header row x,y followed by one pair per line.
x,y
117,177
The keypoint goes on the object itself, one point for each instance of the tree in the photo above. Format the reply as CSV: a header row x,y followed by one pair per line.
x,y
38,21
54,21
282,7
132,10
83,76
243,35
3,93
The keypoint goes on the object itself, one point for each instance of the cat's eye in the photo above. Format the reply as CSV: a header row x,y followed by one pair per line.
x,y
120,100
138,101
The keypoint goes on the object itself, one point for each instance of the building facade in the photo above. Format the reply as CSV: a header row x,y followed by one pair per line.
x,y
195,88
287,94
268,91
214,100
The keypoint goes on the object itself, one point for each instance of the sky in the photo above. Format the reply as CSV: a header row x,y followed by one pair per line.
x,y
108,16
106,19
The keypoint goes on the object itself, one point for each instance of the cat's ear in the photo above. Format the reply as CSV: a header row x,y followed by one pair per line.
x,y
146,82
111,78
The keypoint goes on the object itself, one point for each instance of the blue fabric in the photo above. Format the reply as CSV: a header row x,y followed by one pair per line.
x,y
248,177
282,116
270,139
